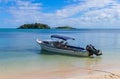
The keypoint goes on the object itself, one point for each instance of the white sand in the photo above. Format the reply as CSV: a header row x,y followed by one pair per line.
x,y
70,73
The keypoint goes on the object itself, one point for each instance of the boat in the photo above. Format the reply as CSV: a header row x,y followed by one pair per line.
x,y
61,46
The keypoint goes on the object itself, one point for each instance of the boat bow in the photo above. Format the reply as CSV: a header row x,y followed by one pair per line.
x,y
38,41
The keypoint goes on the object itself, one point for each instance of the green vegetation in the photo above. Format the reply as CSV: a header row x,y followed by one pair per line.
x,y
41,26
65,27
34,26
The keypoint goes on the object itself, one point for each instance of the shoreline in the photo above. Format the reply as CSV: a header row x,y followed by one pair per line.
x,y
70,73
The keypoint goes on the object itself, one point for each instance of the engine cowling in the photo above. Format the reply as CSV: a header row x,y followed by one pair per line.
x,y
93,51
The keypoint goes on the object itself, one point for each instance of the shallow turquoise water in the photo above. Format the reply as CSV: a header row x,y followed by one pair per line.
x,y
20,52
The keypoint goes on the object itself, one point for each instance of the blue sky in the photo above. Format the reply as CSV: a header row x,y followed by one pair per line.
x,y
75,13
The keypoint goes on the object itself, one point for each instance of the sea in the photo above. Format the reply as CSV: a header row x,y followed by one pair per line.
x,y
19,51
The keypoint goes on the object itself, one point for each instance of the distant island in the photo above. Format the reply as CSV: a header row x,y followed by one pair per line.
x,y
41,26
34,26
64,27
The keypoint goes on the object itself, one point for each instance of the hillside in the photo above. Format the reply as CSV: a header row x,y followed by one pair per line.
x,y
34,26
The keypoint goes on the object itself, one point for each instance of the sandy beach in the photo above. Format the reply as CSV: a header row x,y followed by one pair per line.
x,y
63,75
69,73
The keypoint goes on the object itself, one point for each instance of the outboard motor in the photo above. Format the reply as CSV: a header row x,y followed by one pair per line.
x,y
92,50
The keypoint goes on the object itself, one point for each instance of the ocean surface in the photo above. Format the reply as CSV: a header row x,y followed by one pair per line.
x,y
19,51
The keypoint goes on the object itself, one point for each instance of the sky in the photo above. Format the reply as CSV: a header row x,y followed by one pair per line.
x,y
75,13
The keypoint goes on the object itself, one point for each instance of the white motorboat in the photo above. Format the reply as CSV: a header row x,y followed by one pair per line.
x,y
61,46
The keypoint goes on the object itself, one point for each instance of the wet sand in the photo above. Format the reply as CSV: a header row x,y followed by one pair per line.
x,y
69,73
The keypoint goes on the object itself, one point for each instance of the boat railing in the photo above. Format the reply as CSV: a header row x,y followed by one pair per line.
x,y
67,47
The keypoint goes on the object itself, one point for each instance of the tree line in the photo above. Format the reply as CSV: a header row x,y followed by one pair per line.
x,y
41,26
34,26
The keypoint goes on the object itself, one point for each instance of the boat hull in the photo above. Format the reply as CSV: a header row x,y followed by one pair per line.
x,y
62,51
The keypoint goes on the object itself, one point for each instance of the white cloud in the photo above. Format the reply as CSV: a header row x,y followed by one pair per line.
x,y
90,13
94,13
28,5
25,11
78,8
